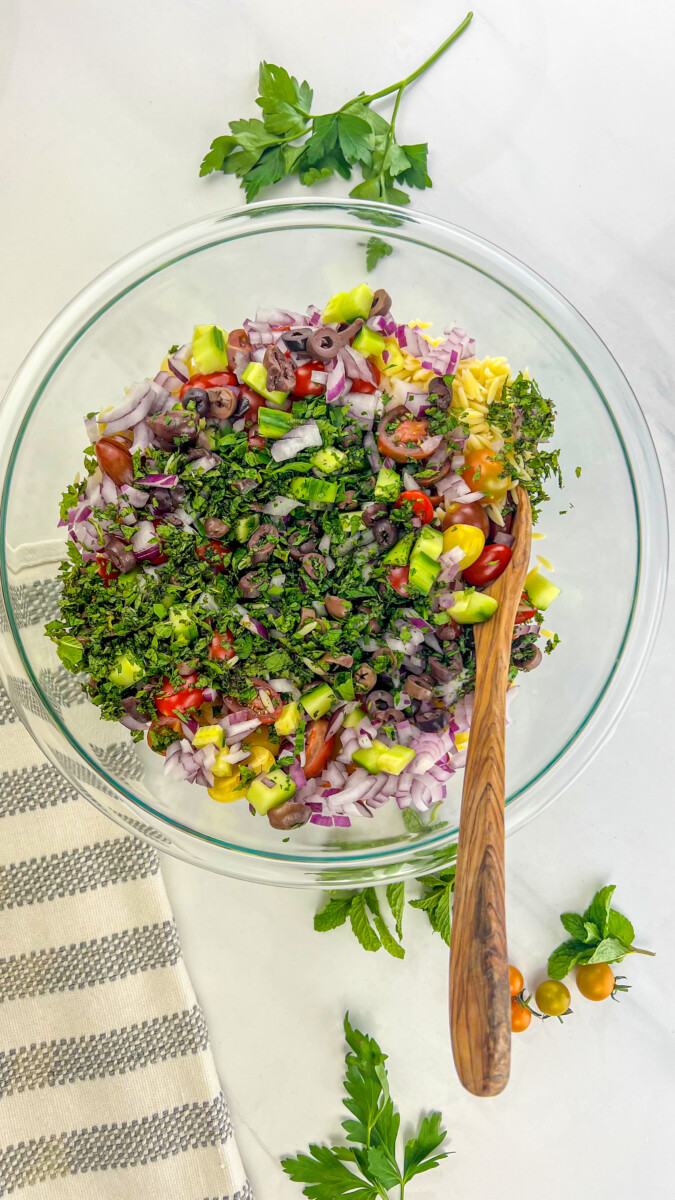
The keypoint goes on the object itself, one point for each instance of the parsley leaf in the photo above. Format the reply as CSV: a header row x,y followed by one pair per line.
x,y
421,1151
376,249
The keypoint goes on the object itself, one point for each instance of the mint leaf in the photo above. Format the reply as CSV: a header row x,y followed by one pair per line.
x,y
360,923
215,158
420,1151
334,913
599,908
574,925
396,900
609,950
69,650
387,938
564,957
376,249
412,820
437,903
416,174
620,927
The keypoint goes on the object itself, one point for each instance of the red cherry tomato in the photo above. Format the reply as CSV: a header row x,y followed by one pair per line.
x,y
318,748
468,514
215,379
105,569
169,701
303,380
222,646
488,566
259,709
422,506
524,612
254,403
362,385
114,458
398,578
256,442
403,442
216,548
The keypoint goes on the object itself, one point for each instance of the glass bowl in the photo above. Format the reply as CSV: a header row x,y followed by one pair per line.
x,y
605,533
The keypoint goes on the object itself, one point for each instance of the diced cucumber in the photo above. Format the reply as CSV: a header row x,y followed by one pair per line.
x,y
423,571
125,672
318,701
209,349
347,306
311,490
539,589
329,460
387,485
381,758
368,758
183,624
472,608
400,553
208,735
430,542
354,718
367,341
246,526
274,422
263,797
255,375
344,685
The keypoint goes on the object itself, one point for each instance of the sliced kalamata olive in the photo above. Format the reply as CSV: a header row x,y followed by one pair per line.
x,y
262,541
172,518
444,469
370,514
314,565
378,702
187,668
250,585
323,343
392,716
238,350
295,341
385,534
364,678
199,398
432,721
114,458
440,393
440,672
349,502
381,303
215,528
350,437
338,660
387,653
178,495
195,453
420,687
161,500
173,426
336,607
374,625
245,485
129,703
120,555
289,815
532,663
308,547
223,402
280,373
445,633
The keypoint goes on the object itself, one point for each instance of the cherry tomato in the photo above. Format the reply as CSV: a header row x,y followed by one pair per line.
x,y
553,998
524,612
106,570
255,441
595,981
216,548
520,1016
215,379
221,646
303,380
422,506
362,385
398,578
260,710
169,701
114,458
318,748
516,981
155,727
402,442
488,566
483,473
468,514
254,403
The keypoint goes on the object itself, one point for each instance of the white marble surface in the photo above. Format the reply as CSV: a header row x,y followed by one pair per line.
x,y
550,129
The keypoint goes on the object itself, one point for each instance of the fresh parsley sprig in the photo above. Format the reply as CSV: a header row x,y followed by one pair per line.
x,y
291,140
599,935
368,1168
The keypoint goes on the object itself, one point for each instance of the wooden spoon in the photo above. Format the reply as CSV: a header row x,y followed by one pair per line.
x,y
480,1005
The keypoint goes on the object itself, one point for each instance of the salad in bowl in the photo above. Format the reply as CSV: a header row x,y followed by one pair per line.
x,y
278,548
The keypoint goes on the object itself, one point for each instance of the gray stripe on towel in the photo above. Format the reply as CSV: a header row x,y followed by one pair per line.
x,y
72,871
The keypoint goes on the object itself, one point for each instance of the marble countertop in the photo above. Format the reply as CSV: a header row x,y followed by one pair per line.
x,y
548,128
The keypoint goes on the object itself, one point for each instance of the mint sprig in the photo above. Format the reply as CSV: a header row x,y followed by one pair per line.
x,y
599,935
368,1167
291,140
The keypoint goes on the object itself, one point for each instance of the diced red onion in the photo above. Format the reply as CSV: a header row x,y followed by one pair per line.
x,y
281,506
355,365
145,543
93,431
335,382
503,539
297,775
319,377
134,495
303,437
431,443
164,481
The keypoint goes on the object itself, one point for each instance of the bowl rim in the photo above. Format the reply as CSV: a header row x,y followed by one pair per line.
x,y
63,333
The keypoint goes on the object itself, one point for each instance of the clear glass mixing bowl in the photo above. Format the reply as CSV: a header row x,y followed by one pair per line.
x,y
609,548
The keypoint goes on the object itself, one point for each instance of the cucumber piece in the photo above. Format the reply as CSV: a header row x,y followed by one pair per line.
x,y
318,701
255,375
263,798
539,589
387,485
354,718
379,758
125,672
368,758
308,489
183,625
288,723
274,422
246,526
423,571
329,460
347,306
400,553
429,542
209,349
367,341
472,608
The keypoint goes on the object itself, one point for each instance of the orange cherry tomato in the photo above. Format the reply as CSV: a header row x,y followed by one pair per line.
x,y
422,506
485,473
595,981
318,748
520,1016
488,566
171,701
221,648
516,981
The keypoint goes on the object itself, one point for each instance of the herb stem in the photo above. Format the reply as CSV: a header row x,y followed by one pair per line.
x,y
637,950
390,138
404,83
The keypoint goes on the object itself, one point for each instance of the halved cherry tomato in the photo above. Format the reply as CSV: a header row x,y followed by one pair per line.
x,y
403,441
256,442
105,569
114,458
216,548
422,506
483,473
303,380
169,701
524,612
488,566
260,710
222,646
468,514
362,385
516,981
398,578
520,1016
254,403
215,379
318,748
156,725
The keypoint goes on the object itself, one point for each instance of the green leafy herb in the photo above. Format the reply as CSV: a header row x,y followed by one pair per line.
x,y
368,1167
577,472
70,651
527,419
437,901
376,249
600,934
291,140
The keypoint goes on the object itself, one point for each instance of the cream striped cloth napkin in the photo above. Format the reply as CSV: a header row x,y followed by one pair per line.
x,y
108,1089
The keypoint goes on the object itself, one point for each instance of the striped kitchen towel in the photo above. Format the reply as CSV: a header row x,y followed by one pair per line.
x,y
108,1088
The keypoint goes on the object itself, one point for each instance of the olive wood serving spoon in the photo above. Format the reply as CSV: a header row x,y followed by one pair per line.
x,y
480,1004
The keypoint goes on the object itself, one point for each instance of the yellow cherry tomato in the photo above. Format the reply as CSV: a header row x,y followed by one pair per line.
x,y
468,539
225,790
261,737
553,998
260,759
483,472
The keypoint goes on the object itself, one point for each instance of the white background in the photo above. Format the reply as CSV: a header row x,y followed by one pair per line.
x,y
550,128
